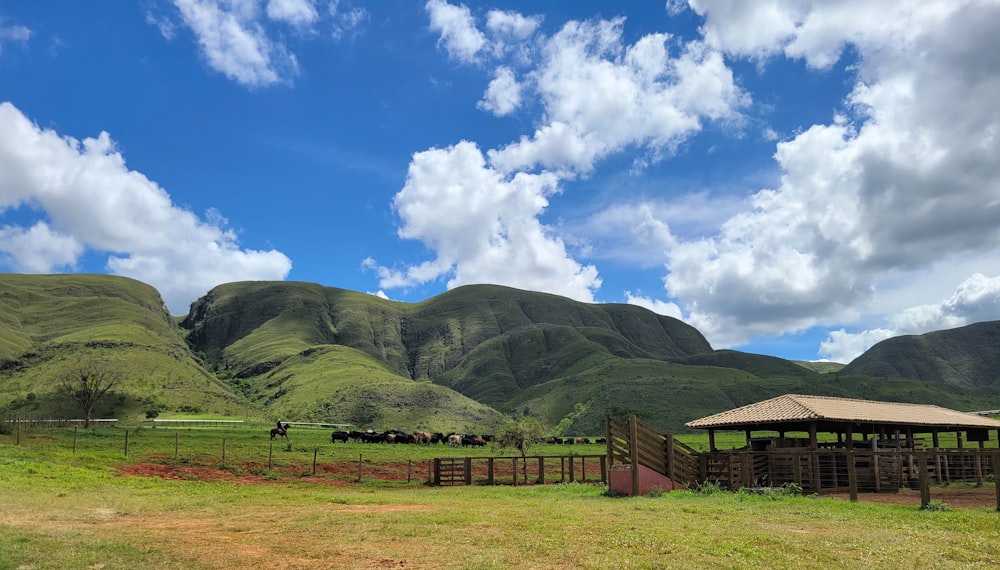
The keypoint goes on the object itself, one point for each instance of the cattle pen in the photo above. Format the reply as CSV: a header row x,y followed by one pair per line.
x,y
531,469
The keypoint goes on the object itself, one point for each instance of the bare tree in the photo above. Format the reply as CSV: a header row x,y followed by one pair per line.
x,y
87,386
521,434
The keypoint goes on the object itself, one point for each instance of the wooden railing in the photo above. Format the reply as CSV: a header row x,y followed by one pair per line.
x,y
533,469
634,442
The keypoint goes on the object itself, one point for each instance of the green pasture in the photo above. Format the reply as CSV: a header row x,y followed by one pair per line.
x,y
65,509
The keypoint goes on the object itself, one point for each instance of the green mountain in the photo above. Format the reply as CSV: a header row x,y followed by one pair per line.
x,y
459,361
53,325
965,357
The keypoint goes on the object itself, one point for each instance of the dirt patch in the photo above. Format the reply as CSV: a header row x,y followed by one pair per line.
x,y
953,497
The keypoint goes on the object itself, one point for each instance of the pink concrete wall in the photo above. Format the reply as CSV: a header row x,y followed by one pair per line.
x,y
621,480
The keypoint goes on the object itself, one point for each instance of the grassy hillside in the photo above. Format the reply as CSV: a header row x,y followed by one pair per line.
x,y
52,325
322,352
965,357
458,361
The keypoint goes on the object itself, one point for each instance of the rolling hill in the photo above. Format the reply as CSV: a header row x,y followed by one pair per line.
x,y
965,357
52,325
462,360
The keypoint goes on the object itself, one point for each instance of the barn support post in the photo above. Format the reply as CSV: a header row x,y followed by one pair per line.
x,y
852,476
996,476
669,443
979,468
925,483
850,437
711,440
877,471
797,469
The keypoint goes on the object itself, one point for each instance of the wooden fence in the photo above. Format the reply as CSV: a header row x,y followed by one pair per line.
x,y
533,469
633,442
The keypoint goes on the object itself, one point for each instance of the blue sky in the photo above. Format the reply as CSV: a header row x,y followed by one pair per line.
x,y
801,179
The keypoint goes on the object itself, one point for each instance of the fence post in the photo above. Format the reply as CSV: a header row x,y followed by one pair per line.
x,y
409,470
925,483
437,471
669,444
177,443
360,467
490,475
852,476
604,469
223,452
74,439
316,452
633,447
126,443
514,462
468,470
270,456
996,476
541,470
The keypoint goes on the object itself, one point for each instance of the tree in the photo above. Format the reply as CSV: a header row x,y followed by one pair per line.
x,y
521,434
87,386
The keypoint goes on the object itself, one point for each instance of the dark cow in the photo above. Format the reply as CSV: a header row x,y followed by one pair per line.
x,y
339,436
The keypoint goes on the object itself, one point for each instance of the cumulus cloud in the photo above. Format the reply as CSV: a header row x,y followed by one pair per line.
x,y
976,299
657,306
481,215
503,95
602,96
93,202
457,29
903,177
483,226
234,42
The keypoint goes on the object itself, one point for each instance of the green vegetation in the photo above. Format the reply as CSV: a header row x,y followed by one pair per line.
x,y
76,510
463,361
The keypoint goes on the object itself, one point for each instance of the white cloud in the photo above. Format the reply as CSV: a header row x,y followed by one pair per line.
x,y
459,35
235,43
503,95
37,249
658,307
905,178
346,22
976,299
601,96
13,33
93,201
483,226
298,13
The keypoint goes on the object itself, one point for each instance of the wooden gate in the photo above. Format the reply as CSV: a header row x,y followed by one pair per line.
x,y
634,442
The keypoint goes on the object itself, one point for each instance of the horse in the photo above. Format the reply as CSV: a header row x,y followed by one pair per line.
x,y
281,430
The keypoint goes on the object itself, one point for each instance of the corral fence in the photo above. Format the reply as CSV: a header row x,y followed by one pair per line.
x,y
634,443
532,469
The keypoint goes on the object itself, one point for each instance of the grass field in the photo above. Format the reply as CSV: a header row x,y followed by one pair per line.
x,y
65,510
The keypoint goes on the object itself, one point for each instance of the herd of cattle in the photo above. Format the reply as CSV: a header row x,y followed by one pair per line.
x,y
425,437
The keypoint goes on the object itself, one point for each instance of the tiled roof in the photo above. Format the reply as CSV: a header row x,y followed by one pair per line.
x,y
792,408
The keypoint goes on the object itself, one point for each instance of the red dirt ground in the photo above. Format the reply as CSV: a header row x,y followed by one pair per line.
x,y
346,473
